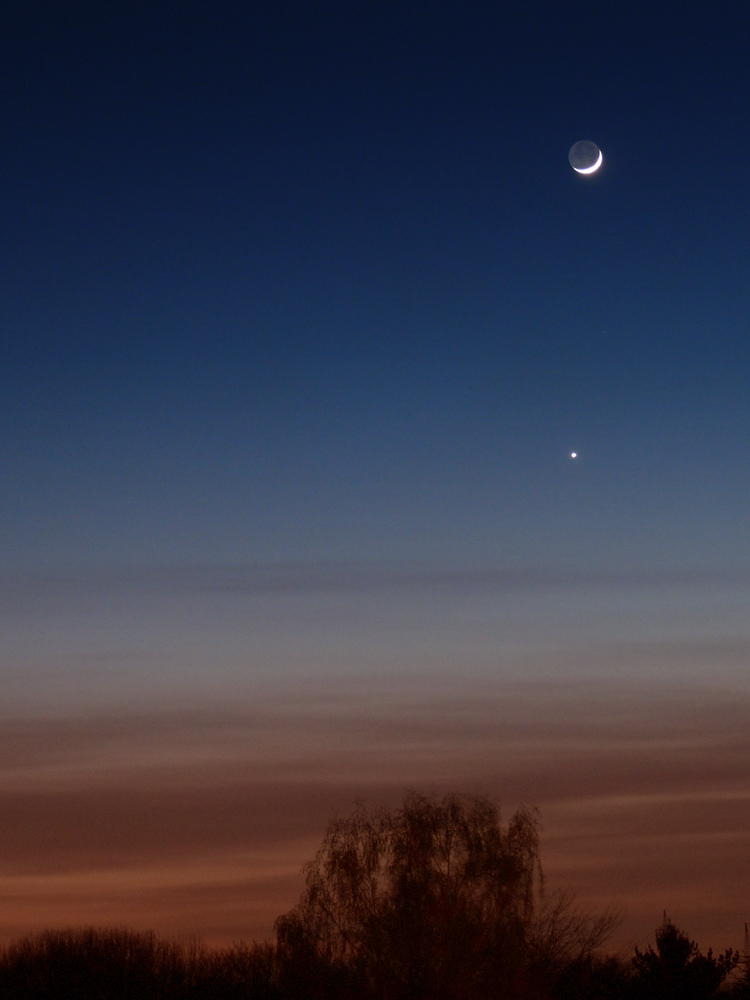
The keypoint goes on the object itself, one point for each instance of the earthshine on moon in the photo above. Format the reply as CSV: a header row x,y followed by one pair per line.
x,y
585,157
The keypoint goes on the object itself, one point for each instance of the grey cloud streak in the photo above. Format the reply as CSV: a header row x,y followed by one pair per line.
x,y
19,591
199,821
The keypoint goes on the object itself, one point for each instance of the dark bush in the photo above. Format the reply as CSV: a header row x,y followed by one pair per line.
x,y
676,969
434,901
101,964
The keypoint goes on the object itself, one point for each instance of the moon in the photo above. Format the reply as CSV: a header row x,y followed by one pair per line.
x,y
585,157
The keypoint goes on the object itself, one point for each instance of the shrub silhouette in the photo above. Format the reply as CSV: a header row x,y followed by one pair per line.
x,y
433,900
91,963
677,970
564,942
593,977
115,964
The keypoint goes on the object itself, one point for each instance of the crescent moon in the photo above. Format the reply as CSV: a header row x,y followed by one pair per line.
x,y
591,169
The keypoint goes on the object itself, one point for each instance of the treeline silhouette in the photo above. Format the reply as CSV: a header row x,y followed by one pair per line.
x,y
433,901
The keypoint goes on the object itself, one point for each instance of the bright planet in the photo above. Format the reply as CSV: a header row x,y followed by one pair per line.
x,y
574,454
585,157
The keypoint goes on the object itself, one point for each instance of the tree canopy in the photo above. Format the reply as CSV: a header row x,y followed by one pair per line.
x,y
676,969
435,899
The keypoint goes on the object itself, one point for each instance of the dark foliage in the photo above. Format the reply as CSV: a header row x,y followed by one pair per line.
x,y
676,970
437,900
93,964
592,978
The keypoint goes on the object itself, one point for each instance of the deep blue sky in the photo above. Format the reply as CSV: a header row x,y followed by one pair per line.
x,y
288,281
302,311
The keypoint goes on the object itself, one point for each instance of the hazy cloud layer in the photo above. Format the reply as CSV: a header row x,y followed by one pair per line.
x,y
156,636
26,590
199,821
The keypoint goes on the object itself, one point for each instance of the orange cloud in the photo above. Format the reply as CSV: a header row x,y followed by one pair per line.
x,y
198,821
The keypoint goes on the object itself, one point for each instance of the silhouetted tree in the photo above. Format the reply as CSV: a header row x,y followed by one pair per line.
x,y
676,969
564,942
113,964
83,963
594,977
437,900
740,988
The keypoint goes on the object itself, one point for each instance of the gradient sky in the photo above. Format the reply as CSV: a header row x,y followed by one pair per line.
x,y
302,312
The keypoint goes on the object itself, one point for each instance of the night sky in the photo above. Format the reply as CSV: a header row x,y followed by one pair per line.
x,y
302,312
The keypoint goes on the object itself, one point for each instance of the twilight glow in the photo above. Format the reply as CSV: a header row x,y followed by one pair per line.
x,y
302,309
